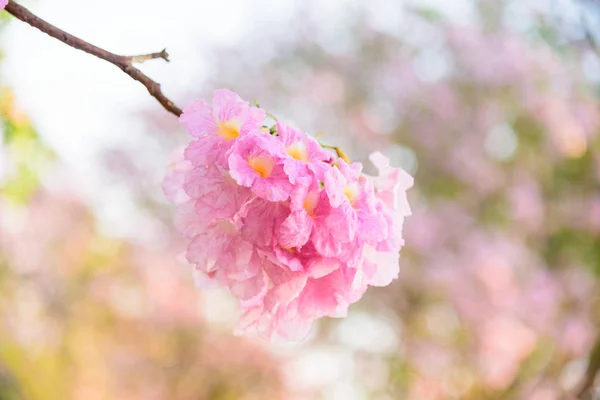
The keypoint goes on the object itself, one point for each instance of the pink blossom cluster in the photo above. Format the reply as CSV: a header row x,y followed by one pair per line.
x,y
293,231
3,3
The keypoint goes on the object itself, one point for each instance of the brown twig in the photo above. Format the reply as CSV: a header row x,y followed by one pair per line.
x,y
587,382
152,56
125,63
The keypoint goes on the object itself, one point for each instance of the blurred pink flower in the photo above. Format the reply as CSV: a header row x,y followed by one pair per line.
x,y
507,59
577,336
527,205
504,343
173,184
594,214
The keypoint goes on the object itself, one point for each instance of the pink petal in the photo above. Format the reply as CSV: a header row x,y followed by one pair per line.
x,y
173,184
322,267
295,230
334,186
341,223
228,105
277,187
248,319
380,268
205,250
259,220
199,119
251,291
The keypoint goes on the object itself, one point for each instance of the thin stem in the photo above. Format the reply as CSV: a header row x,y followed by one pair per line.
x,y
152,56
340,153
125,63
587,382
268,114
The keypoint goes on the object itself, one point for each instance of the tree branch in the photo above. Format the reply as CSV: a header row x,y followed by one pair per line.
x,y
587,382
125,63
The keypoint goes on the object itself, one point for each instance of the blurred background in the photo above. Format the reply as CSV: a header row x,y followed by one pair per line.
x,y
491,104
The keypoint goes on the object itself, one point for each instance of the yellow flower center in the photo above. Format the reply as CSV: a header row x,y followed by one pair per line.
x,y
226,226
263,165
228,130
298,151
310,203
351,192
289,250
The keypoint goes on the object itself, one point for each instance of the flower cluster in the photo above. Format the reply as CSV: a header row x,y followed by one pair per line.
x,y
292,230
3,3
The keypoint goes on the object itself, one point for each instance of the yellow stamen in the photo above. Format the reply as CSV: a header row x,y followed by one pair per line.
x,y
351,192
310,203
226,226
228,130
289,250
263,165
298,151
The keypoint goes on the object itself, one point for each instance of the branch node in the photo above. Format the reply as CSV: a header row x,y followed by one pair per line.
x,y
164,55
151,56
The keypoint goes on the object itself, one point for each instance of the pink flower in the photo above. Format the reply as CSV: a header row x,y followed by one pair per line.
x,y
294,233
259,220
215,193
219,247
341,183
173,183
391,184
380,263
218,126
302,150
250,289
255,161
380,268
297,299
298,226
354,205
3,3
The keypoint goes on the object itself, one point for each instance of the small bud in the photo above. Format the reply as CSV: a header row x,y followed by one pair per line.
x,y
340,153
